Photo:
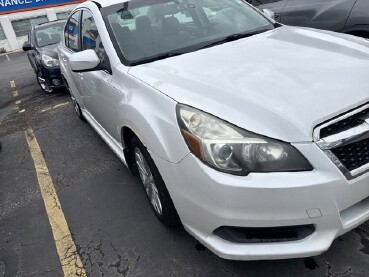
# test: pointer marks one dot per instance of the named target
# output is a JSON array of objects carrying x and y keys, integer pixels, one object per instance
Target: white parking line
[
  {"x": 12, "y": 84},
  {"x": 15, "y": 93},
  {"x": 7, "y": 58}
]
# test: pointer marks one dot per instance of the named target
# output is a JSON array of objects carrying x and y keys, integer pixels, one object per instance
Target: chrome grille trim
[{"x": 355, "y": 134}]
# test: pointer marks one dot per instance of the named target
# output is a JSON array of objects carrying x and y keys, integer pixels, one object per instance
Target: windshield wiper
[
  {"x": 50, "y": 44},
  {"x": 233, "y": 37},
  {"x": 158, "y": 57}
]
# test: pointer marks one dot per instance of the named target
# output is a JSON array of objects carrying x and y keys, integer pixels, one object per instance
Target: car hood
[
  {"x": 281, "y": 83},
  {"x": 50, "y": 50}
]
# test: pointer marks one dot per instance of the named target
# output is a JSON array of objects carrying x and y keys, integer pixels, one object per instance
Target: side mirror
[
  {"x": 84, "y": 61},
  {"x": 269, "y": 13},
  {"x": 27, "y": 46}
]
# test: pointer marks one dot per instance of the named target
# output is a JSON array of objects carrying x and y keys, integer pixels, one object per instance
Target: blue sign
[{"x": 10, "y": 6}]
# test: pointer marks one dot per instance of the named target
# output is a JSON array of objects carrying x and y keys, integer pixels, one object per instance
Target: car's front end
[
  {"x": 49, "y": 67},
  {"x": 278, "y": 166},
  {"x": 275, "y": 215},
  {"x": 43, "y": 54},
  {"x": 260, "y": 136}
]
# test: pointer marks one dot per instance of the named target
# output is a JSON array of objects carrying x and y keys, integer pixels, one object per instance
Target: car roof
[{"x": 49, "y": 23}]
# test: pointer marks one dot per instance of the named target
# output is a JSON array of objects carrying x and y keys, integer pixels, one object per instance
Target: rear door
[
  {"x": 275, "y": 5},
  {"x": 70, "y": 45},
  {"x": 322, "y": 14}
]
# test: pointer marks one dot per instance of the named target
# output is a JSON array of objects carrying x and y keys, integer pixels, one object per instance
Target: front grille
[
  {"x": 345, "y": 140},
  {"x": 353, "y": 155},
  {"x": 345, "y": 124}
]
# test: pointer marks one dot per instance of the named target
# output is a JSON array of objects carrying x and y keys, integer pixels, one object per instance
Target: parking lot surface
[{"x": 111, "y": 227}]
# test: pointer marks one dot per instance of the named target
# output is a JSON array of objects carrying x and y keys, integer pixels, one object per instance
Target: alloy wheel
[
  {"x": 43, "y": 83},
  {"x": 148, "y": 181}
]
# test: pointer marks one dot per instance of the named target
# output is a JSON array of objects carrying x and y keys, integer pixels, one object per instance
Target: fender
[{"x": 151, "y": 116}]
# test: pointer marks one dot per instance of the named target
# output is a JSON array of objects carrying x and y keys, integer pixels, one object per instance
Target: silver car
[
  {"x": 345, "y": 16},
  {"x": 252, "y": 134}
]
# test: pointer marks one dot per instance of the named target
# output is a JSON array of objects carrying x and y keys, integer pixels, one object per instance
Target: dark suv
[
  {"x": 41, "y": 47},
  {"x": 346, "y": 16}
]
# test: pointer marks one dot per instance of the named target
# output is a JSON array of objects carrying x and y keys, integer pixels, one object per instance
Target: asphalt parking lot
[{"x": 114, "y": 231}]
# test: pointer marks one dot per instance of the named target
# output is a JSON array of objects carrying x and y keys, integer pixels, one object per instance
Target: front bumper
[
  {"x": 51, "y": 74},
  {"x": 207, "y": 199}
]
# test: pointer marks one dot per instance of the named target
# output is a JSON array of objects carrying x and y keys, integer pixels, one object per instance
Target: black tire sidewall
[
  {"x": 169, "y": 216},
  {"x": 79, "y": 113}
]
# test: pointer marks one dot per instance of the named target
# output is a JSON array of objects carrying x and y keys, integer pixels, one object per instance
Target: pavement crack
[
  {"x": 92, "y": 255},
  {"x": 118, "y": 262},
  {"x": 329, "y": 268},
  {"x": 364, "y": 238},
  {"x": 337, "y": 274},
  {"x": 349, "y": 270}
]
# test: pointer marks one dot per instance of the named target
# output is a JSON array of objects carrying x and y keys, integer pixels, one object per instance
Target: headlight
[
  {"x": 49, "y": 61},
  {"x": 230, "y": 149}
]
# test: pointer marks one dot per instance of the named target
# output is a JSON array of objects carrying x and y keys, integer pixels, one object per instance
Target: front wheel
[
  {"x": 43, "y": 83},
  {"x": 154, "y": 185}
]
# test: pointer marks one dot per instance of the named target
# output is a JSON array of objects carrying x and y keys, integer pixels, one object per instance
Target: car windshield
[
  {"x": 50, "y": 34},
  {"x": 148, "y": 30}
]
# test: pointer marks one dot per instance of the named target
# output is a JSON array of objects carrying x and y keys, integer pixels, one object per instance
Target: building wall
[{"x": 11, "y": 24}]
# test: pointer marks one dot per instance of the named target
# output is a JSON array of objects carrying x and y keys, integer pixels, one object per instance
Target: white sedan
[{"x": 253, "y": 135}]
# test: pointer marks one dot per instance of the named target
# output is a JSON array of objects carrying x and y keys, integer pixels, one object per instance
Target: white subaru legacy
[{"x": 253, "y": 135}]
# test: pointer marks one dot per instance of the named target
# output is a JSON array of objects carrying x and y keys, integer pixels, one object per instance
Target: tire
[
  {"x": 43, "y": 83},
  {"x": 154, "y": 186},
  {"x": 75, "y": 104}
]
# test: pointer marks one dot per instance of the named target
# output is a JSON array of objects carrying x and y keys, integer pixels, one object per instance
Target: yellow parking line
[
  {"x": 12, "y": 84},
  {"x": 65, "y": 246},
  {"x": 57, "y": 106}
]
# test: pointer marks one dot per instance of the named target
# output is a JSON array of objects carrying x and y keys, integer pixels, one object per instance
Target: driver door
[{"x": 100, "y": 97}]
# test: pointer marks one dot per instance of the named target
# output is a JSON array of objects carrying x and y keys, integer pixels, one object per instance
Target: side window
[
  {"x": 90, "y": 35},
  {"x": 71, "y": 32}
]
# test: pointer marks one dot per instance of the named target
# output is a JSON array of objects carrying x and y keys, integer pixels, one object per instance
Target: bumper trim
[
  {"x": 353, "y": 215},
  {"x": 265, "y": 234}
]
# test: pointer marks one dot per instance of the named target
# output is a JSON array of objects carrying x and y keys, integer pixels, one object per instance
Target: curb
[{"x": 11, "y": 52}]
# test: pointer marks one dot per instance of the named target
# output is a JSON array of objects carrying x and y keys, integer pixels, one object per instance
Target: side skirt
[{"x": 112, "y": 143}]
